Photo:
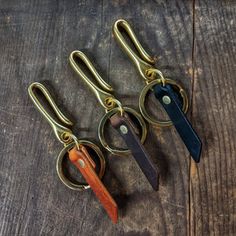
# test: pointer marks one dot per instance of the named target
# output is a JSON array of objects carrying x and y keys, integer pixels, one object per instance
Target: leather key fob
[
  {"x": 128, "y": 131},
  {"x": 172, "y": 104},
  {"x": 82, "y": 160}
]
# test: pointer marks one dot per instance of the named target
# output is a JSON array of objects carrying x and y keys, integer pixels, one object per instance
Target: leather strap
[
  {"x": 127, "y": 130},
  {"x": 82, "y": 160},
  {"x": 170, "y": 101}
]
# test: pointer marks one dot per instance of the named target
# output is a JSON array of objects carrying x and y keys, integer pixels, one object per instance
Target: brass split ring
[
  {"x": 143, "y": 97},
  {"x": 120, "y": 151},
  {"x": 62, "y": 155}
]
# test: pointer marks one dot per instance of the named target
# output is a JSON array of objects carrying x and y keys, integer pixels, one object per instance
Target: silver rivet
[
  {"x": 81, "y": 163},
  {"x": 123, "y": 129},
  {"x": 166, "y": 99}
]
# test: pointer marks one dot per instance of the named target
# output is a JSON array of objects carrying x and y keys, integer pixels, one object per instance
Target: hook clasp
[
  {"x": 106, "y": 99},
  {"x": 144, "y": 62},
  {"x": 63, "y": 134}
]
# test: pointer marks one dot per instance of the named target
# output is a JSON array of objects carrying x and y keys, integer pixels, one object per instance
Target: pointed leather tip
[
  {"x": 114, "y": 214},
  {"x": 155, "y": 182},
  {"x": 115, "y": 219},
  {"x": 197, "y": 153}
]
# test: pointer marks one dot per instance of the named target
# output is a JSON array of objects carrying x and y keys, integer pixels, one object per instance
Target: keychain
[
  {"x": 119, "y": 119},
  {"x": 78, "y": 154},
  {"x": 168, "y": 92}
]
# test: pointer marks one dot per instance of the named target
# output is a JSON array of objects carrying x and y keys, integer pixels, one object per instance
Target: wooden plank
[
  {"x": 213, "y": 183},
  {"x": 36, "y": 40}
]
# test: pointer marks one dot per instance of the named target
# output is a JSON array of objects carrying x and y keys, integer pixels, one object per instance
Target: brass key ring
[
  {"x": 149, "y": 87},
  {"x": 59, "y": 166},
  {"x": 65, "y": 136},
  {"x": 103, "y": 122},
  {"x": 106, "y": 99},
  {"x": 144, "y": 63}
]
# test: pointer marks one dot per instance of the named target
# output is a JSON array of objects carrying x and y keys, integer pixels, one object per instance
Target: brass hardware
[
  {"x": 70, "y": 184},
  {"x": 145, "y": 65},
  {"x": 123, "y": 129},
  {"x": 104, "y": 97},
  {"x": 143, "y": 95},
  {"x": 107, "y": 100},
  {"x": 105, "y": 118},
  {"x": 166, "y": 99},
  {"x": 143, "y": 61},
  {"x": 64, "y": 135},
  {"x": 81, "y": 163}
]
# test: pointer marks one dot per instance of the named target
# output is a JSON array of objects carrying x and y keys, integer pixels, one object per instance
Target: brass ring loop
[
  {"x": 119, "y": 105},
  {"x": 143, "y": 96},
  {"x": 61, "y": 156},
  {"x": 120, "y": 151}
]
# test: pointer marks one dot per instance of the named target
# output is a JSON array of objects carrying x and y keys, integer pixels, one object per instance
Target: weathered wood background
[{"x": 195, "y": 43}]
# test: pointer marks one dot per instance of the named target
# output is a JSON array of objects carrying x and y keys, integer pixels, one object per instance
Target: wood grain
[
  {"x": 213, "y": 181},
  {"x": 36, "y": 40}
]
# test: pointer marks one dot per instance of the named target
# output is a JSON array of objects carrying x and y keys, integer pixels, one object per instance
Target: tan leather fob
[{"x": 82, "y": 160}]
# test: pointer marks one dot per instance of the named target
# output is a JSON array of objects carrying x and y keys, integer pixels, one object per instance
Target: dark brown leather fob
[{"x": 127, "y": 130}]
